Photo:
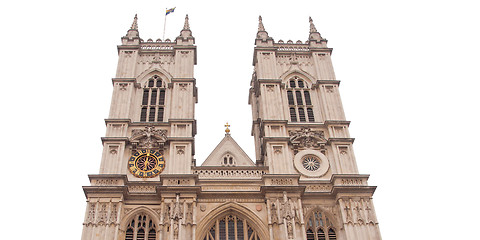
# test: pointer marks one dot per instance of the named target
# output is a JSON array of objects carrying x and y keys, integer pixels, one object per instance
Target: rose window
[{"x": 311, "y": 163}]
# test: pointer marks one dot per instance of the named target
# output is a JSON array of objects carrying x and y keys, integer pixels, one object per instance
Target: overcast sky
[{"x": 410, "y": 81}]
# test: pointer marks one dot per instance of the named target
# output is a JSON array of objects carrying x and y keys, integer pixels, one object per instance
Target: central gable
[{"x": 228, "y": 153}]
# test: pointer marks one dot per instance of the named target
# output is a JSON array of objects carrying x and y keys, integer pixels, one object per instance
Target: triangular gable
[{"x": 228, "y": 148}]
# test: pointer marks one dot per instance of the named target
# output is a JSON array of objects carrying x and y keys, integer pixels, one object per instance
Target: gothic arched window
[
  {"x": 299, "y": 101},
  {"x": 228, "y": 160},
  {"x": 141, "y": 228},
  {"x": 231, "y": 227},
  {"x": 153, "y": 100},
  {"x": 319, "y": 227}
]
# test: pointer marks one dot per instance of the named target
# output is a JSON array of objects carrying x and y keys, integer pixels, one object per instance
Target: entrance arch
[{"x": 232, "y": 219}]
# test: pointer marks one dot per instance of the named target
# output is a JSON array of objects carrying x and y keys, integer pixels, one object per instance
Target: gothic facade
[{"x": 304, "y": 182}]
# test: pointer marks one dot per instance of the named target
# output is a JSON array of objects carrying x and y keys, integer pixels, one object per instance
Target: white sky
[{"x": 410, "y": 81}]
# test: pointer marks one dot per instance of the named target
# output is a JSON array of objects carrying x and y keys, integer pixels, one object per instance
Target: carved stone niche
[
  {"x": 307, "y": 138},
  {"x": 148, "y": 138}
]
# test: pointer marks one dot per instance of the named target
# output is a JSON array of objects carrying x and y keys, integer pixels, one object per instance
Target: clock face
[{"x": 146, "y": 163}]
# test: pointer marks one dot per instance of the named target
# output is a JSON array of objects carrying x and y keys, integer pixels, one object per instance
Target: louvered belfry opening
[
  {"x": 299, "y": 101},
  {"x": 153, "y": 100}
]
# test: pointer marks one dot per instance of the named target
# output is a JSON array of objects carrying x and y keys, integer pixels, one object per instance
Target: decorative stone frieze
[
  {"x": 148, "y": 138},
  {"x": 141, "y": 189},
  {"x": 306, "y": 138}
]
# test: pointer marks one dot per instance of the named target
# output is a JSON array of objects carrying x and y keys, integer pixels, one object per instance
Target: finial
[
  {"x": 134, "y": 24},
  {"x": 186, "y": 26},
  {"x": 227, "y": 130},
  {"x": 260, "y": 24},
  {"x": 312, "y": 26}
]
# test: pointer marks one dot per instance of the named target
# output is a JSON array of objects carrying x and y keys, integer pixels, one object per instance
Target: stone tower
[{"x": 303, "y": 185}]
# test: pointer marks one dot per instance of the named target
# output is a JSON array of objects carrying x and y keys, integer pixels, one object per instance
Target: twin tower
[{"x": 304, "y": 182}]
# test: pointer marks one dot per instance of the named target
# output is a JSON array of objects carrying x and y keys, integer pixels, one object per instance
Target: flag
[{"x": 169, "y": 11}]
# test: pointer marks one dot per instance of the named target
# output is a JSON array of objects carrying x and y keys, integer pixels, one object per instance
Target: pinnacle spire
[
  {"x": 185, "y": 37},
  {"x": 312, "y": 26},
  {"x": 260, "y": 24},
  {"x": 186, "y": 26},
  {"x": 262, "y": 35},
  {"x": 314, "y": 36},
  {"x": 134, "y": 24}
]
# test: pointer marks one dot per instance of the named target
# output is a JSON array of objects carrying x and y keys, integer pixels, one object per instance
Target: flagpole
[{"x": 164, "y": 24}]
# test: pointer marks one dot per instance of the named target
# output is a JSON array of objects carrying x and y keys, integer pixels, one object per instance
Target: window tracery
[
  {"x": 319, "y": 227},
  {"x": 228, "y": 160},
  {"x": 141, "y": 227},
  {"x": 299, "y": 101},
  {"x": 231, "y": 227},
  {"x": 153, "y": 100}
]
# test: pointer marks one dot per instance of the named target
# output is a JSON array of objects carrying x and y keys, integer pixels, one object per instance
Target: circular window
[{"x": 311, "y": 163}]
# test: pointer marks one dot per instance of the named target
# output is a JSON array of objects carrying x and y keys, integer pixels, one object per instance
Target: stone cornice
[
  {"x": 180, "y": 139},
  {"x": 130, "y": 47},
  {"x": 181, "y": 80},
  {"x": 269, "y": 80},
  {"x": 114, "y": 139},
  {"x": 114, "y": 80},
  {"x": 337, "y": 122},
  {"x": 117, "y": 120},
  {"x": 341, "y": 140},
  {"x": 89, "y": 190}
]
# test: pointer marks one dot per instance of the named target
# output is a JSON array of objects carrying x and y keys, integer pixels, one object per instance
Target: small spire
[
  {"x": 186, "y": 26},
  {"x": 134, "y": 24},
  {"x": 227, "y": 130},
  {"x": 312, "y": 26},
  {"x": 260, "y": 24}
]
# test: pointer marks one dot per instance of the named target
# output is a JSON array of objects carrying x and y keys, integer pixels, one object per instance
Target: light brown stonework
[{"x": 304, "y": 177}]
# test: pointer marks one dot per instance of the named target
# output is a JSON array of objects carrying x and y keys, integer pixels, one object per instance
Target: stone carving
[
  {"x": 141, "y": 189},
  {"x": 180, "y": 150},
  {"x": 112, "y": 218},
  {"x": 183, "y": 86},
  {"x": 318, "y": 188},
  {"x": 189, "y": 214},
  {"x": 176, "y": 215},
  {"x": 306, "y": 138},
  {"x": 282, "y": 181},
  {"x": 290, "y": 229},
  {"x": 206, "y": 174},
  {"x": 277, "y": 149},
  {"x": 270, "y": 87},
  {"x": 287, "y": 208},
  {"x": 148, "y": 138},
  {"x": 123, "y": 86},
  {"x": 203, "y": 208},
  {"x": 156, "y": 58},
  {"x": 358, "y": 211},
  {"x": 352, "y": 181},
  {"x": 173, "y": 182},
  {"x": 106, "y": 182},
  {"x": 91, "y": 214},
  {"x": 274, "y": 213},
  {"x": 370, "y": 213},
  {"x": 102, "y": 215}
]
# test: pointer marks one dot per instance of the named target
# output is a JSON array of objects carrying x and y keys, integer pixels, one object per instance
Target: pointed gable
[{"x": 228, "y": 153}]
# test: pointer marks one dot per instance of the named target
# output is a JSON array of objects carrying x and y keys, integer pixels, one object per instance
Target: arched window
[
  {"x": 231, "y": 227},
  {"x": 299, "y": 101},
  {"x": 228, "y": 160},
  {"x": 141, "y": 228},
  {"x": 153, "y": 100},
  {"x": 319, "y": 227}
]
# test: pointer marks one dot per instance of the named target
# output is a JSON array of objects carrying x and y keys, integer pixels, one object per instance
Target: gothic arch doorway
[{"x": 231, "y": 221}]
